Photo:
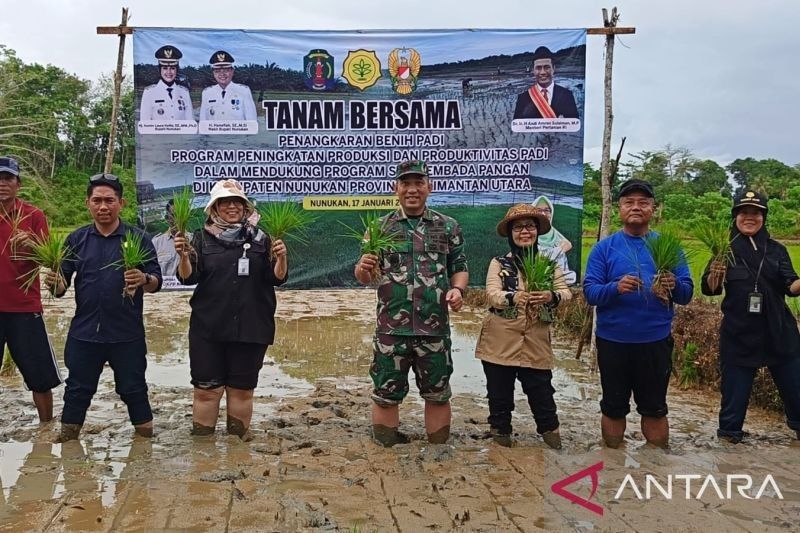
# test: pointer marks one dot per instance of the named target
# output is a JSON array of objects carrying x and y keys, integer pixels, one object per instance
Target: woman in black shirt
[
  {"x": 758, "y": 329},
  {"x": 236, "y": 268}
]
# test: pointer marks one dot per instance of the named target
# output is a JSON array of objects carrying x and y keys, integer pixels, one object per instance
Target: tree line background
[{"x": 57, "y": 126}]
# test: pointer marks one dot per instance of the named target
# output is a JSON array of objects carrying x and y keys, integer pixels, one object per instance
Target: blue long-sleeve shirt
[{"x": 634, "y": 317}]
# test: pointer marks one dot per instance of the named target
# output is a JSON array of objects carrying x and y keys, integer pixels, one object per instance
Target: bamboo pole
[
  {"x": 112, "y": 135},
  {"x": 605, "y": 162}
]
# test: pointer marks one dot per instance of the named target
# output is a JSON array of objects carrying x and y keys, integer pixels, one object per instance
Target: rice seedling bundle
[
  {"x": 45, "y": 251},
  {"x": 182, "y": 209},
  {"x": 666, "y": 251},
  {"x": 539, "y": 272},
  {"x": 133, "y": 254},
  {"x": 373, "y": 237},
  {"x": 716, "y": 237},
  {"x": 285, "y": 220}
]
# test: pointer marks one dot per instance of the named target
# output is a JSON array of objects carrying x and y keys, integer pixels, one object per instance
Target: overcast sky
[{"x": 717, "y": 76}]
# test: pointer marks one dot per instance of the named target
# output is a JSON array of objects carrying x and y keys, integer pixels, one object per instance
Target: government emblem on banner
[
  {"x": 362, "y": 68},
  {"x": 404, "y": 66},
  {"x": 318, "y": 69}
]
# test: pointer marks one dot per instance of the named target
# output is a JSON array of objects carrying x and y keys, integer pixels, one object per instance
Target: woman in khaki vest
[{"x": 514, "y": 342}]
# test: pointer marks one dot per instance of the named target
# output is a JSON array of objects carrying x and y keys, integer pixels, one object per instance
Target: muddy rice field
[{"x": 311, "y": 465}]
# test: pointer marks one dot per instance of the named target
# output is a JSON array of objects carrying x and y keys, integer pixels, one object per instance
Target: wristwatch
[{"x": 147, "y": 278}]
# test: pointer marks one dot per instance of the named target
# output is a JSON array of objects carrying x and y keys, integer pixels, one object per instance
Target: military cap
[
  {"x": 221, "y": 58},
  {"x": 414, "y": 167},
  {"x": 168, "y": 55}
]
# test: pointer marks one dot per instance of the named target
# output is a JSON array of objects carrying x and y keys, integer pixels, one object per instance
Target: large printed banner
[{"x": 323, "y": 118}]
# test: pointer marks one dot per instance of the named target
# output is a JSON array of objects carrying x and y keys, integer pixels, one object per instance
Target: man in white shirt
[
  {"x": 166, "y": 101},
  {"x": 226, "y": 100}
]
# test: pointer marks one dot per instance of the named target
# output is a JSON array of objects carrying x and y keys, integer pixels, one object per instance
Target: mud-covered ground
[{"x": 312, "y": 466}]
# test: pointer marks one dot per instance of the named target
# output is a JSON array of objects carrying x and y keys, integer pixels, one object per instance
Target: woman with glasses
[
  {"x": 514, "y": 342},
  {"x": 236, "y": 268}
]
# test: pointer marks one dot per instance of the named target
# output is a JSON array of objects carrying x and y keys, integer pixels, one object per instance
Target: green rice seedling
[
  {"x": 182, "y": 210},
  {"x": 133, "y": 255},
  {"x": 667, "y": 253},
  {"x": 539, "y": 272},
  {"x": 372, "y": 237},
  {"x": 182, "y": 214},
  {"x": 285, "y": 220},
  {"x": 45, "y": 251},
  {"x": 689, "y": 374},
  {"x": 716, "y": 237}
]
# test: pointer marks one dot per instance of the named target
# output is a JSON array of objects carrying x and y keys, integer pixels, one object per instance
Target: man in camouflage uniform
[{"x": 424, "y": 275}]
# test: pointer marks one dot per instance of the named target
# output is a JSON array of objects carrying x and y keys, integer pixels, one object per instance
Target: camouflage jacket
[{"x": 415, "y": 277}]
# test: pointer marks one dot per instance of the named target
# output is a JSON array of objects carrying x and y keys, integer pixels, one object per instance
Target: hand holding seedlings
[
  {"x": 278, "y": 249},
  {"x": 134, "y": 278},
  {"x": 716, "y": 273},
  {"x": 521, "y": 298},
  {"x": 366, "y": 264},
  {"x": 541, "y": 297},
  {"x": 628, "y": 284},
  {"x": 21, "y": 241},
  {"x": 181, "y": 245},
  {"x": 54, "y": 282},
  {"x": 667, "y": 281}
]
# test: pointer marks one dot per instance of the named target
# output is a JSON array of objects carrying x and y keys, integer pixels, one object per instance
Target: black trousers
[{"x": 500, "y": 381}]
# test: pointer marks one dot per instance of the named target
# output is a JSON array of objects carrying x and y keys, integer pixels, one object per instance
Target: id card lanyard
[
  {"x": 755, "y": 299},
  {"x": 244, "y": 261}
]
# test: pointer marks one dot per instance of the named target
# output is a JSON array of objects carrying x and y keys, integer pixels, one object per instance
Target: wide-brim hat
[
  {"x": 523, "y": 211},
  {"x": 229, "y": 188}
]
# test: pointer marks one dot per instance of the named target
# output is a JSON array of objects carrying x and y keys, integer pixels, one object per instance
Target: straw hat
[
  {"x": 225, "y": 189},
  {"x": 523, "y": 211}
]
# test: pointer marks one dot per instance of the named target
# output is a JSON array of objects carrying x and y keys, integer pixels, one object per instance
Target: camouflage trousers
[{"x": 393, "y": 355}]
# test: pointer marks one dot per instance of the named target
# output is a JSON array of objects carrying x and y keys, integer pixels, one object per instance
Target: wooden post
[
  {"x": 112, "y": 135},
  {"x": 605, "y": 162}
]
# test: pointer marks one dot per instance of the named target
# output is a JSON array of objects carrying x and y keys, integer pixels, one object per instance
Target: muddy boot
[
  {"x": 552, "y": 439},
  {"x": 69, "y": 432},
  {"x": 144, "y": 430},
  {"x": 387, "y": 436},
  {"x": 236, "y": 427},
  {"x": 199, "y": 430},
  {"x": 503, "y": 439},
  {"x": 439, "y": 436}
]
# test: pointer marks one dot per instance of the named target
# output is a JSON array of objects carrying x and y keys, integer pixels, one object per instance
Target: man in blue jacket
[{"x": 634, "y": 320}]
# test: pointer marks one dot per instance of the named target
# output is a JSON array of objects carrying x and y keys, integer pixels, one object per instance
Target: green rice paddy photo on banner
[{"x": 322, "y": 118}]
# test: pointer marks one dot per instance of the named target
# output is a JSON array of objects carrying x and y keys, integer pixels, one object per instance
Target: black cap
[
  {"x": 636, "y": 185},
  {"x": 750, "y": 197},
  {"x": 10, "y": 165},
  {"x": 542, "y": 53},
  {"x": 168, "y": 55},
  {"x": 104, "y": 179},
  {"x": 221, "y": 58}
]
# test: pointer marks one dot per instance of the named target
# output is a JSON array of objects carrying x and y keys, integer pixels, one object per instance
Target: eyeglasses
[
  {"x": 518, "y": 228},
  {"x": 107, "y": 177},
  {"x": 222, "y": 202}
]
